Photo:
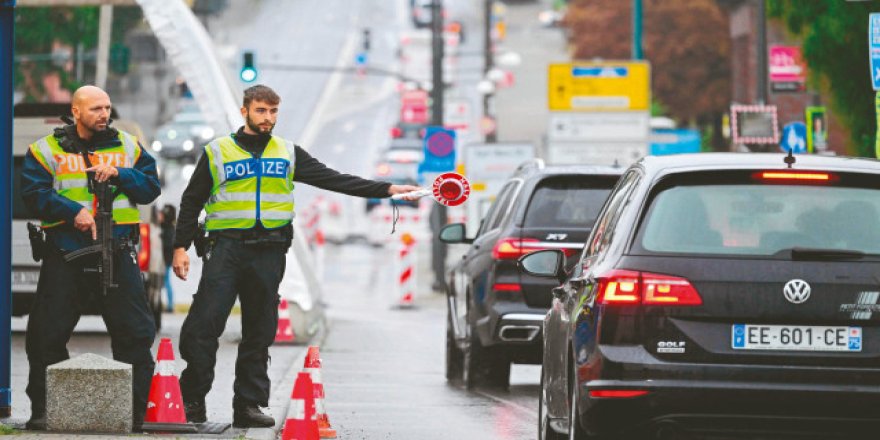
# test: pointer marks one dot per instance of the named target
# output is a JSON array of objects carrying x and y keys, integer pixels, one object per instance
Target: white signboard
[
  {"x": 598, "y": 126},
  {"x": 488, "y": 167},
  {"x": 596, "y": 153}
]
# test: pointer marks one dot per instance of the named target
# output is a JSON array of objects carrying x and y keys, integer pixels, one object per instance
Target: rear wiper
[{"x": 818, "y": 254}]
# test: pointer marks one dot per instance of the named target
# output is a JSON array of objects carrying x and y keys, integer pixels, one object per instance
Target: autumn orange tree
[{"x": 686, "y": 41}]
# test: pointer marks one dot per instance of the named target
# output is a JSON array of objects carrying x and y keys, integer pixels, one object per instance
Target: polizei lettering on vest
[{"x": 247, "y": 168}]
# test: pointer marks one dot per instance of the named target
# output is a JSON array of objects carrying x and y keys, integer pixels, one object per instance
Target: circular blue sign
[{"x": 441, "y": 144}]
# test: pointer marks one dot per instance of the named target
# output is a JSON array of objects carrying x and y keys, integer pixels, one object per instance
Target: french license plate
[
  {"x": 796, "y": 337},
  {"x": 25, "y": 277}
]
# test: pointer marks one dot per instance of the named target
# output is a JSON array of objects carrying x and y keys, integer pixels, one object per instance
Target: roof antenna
[{"x": 790, "y": 160}]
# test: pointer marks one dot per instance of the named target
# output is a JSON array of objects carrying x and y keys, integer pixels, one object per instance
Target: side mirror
[
  {"x": 454, "y": 233},
  {"x": 545, "y": 264}
]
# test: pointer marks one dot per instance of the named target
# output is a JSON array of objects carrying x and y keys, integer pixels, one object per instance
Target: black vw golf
[{"x": 720, "y": 292}]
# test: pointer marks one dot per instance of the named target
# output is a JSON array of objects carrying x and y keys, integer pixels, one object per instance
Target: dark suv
[
  {"x": 494, "y": 311},
  {"x": 720, "y": 292}
]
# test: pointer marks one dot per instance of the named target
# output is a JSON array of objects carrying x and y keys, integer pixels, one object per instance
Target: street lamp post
[
  {"x": 488, "y": 63},
  {"x": 437, "y": 62},
  {"x": 637, "y": 52},
  {"x": 762, "y": 52},
  {"x": 7, "y": 48}
]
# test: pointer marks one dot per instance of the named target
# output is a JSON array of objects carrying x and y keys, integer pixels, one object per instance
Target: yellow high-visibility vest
[
  {"x": 246, "y": 188},
  {"x": 69, "y": 176}
]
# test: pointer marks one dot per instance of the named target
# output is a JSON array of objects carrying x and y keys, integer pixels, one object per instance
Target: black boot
[
  {"x": 195, "y": 412},
  {"x": 250, "y": 416}
]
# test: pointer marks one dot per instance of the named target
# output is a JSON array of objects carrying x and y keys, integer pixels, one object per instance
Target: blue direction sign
[
  {"x": 794, "y": 138},
  {"x": 600, "y": 72},
  {"x": 874, "y": 48},
  {"x": 439, "y": 150}
]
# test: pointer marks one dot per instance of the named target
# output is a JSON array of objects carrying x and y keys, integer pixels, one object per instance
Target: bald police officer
[{"x": 55, "y": 187}]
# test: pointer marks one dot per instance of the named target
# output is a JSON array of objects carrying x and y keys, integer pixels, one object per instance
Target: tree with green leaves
[
  {"x": 834, "y": 35},
  {"x": 687, "y": 43},
  {"x": 40, "y": 31}
]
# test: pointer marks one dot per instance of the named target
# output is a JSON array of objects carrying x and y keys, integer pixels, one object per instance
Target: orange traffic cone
[
  {"x": 313, "y": 367},
  {"x": 165, "y": 403},
  {"x": 284, "y": 333},
  {"x": 301, "y": 424}
]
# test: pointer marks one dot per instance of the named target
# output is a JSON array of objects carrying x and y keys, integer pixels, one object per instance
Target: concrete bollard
[{"x": 89, "y": 393}]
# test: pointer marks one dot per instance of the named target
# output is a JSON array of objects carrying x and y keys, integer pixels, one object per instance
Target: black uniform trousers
[
  {"x": 62, "y": 291},
  {"x": 252, "y": 272}
]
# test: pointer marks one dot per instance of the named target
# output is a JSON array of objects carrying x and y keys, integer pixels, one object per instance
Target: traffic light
[{"x": 248, "y": 71}]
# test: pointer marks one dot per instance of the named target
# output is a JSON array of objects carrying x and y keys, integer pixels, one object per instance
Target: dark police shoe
[
  {"x": 36, "y": 423},
  {"x": 195, "y": 412},
  {"x": 251, "y": 416}
]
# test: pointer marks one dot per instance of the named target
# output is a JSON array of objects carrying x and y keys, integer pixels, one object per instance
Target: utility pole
[
  {"x": 437, "y": 62},
  {"x": 761, "y": 51},
  {"x": 488, "y": 63},
  {"x": 105, "y": 26},
  {"x": 7, "y": 52},
  {"x": 438, "y": 213},
  {"x": 637, "y": 52}
]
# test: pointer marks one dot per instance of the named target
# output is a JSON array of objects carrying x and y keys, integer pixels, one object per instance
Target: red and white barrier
[{"x": 406, "y": 270}]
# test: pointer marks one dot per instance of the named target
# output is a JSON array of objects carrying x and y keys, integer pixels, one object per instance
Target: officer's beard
[{"x": 256, "y": 128}]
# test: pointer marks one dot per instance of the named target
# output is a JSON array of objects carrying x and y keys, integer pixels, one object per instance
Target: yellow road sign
[{"x": 599, "y": 86}]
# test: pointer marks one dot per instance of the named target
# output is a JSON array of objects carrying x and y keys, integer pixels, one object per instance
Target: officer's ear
[{"x": 244, "y": 112}]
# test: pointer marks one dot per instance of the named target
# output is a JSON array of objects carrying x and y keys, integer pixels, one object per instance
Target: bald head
[
  {"x": 88, "y": 93},
  {"x": 91, "y": 109}
]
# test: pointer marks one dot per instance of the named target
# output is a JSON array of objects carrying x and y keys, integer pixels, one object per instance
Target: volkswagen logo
[{"x": 796, "y": 291}]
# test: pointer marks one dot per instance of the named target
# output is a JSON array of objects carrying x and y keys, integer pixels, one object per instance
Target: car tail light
[
  {"x": 144, "y": 252},
  {"x": 506, "y": 287},
  {"x": 617, "y": 394},
  {"x": 619, "y": 287},
  {"x": 512, "y": 248},
  {"x": 626, "y": 287},
  {"x": 396, "y": 132},
  {"x": 668, "y": 290}
]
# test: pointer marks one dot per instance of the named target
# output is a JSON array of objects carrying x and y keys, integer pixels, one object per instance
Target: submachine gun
[{"x": 104, "y": 245}]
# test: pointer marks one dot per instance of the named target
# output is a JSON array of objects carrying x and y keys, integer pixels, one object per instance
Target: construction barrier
[{"x": 406, "y": 270}]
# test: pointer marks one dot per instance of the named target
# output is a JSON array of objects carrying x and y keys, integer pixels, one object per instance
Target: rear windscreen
[
  {"x": 568, "y": 202},
  {"x": 19, "y": 212},
  {"x": 751, "y": 218}
]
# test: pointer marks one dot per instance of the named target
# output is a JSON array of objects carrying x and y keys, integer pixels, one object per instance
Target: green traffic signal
[{"x": 248, "y": 71}]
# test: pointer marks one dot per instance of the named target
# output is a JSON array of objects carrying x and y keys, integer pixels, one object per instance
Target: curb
[{"x": 280, "y": 403}]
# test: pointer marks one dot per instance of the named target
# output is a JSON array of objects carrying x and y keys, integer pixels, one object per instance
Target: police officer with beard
[
  {"x": 55, "y": 187},
  {"x": 245, "y": 183}
]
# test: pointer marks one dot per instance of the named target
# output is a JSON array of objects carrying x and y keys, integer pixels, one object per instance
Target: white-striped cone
[{"x": 312, "y": 365}]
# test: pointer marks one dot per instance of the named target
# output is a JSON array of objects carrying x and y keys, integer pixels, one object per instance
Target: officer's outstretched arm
[
  {"x": 140, "y": 182},
  {"x": 40, "y": 196}
]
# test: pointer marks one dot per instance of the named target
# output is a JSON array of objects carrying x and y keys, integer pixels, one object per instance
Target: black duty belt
[{"x": 252, "y": 235}]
